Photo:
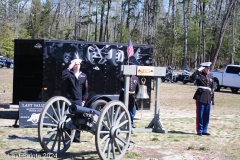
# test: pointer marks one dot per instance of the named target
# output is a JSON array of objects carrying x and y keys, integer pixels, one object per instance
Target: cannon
[
  {"x": 111, "y": 126},
  {"x": 60, "y": 119}
]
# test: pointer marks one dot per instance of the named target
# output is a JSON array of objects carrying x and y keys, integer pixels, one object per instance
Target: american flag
[{"x": 130, "y": 50}]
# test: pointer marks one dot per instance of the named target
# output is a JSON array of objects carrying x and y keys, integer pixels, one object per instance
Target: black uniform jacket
[
  {"x": 203, "y": 80},
  {"x": 77, "y": 88},
  {"x": 133, "y": 88}
]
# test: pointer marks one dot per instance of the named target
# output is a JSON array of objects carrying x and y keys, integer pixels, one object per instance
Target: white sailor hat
[
  {"x": 206, "y": 64},
  {"x": 76, "y": 61}
]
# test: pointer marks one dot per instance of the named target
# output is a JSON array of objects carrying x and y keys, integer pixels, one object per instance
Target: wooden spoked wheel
[
  {"x": 51, "y": 133},
  {"x": 113, "y": 132}
]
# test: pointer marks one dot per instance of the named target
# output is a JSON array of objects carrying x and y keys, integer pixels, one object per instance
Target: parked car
[
  {"x": 185, "y": 77},
  {"x": 6, "y": 63},
  {"x": 230, "y": 77},
  {"x": 9, "y": 63},
  {"x": 2, "y": 62},
  {"x": 169, "y": 75},
  {"x": 12, "y": 65}
]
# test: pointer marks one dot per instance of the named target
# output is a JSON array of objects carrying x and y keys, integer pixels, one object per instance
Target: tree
[
  {"x": 34, "y": 25},
  {"x": 45, "y": 19},
  {"x": 227, "y": 15},
  {"x": 6, "y": 40}
]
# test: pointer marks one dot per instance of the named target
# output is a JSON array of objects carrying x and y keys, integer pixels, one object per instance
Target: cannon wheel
[
  {"x": 112, "y": 137},
  {"x": 51, "y": 133},
  {"x": 98, "y": 104}
]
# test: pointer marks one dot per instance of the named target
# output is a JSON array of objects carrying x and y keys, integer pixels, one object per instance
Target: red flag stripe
[{"x": 130, "y": 50}]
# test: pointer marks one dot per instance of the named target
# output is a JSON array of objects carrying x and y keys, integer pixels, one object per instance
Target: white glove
[{"x": 201, "y": 68}]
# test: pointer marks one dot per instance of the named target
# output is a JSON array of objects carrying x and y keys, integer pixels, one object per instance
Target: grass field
[{"x": 177, "y": 114}]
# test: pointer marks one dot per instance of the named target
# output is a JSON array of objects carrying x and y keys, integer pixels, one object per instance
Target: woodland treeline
[{"x": 184, "y": 33}]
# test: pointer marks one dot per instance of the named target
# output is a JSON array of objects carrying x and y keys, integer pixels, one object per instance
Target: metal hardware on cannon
[
  {"x": 75, "y": 109},
  {"x": 83, "y": 115},
  {"x": 142, "y": 93}
]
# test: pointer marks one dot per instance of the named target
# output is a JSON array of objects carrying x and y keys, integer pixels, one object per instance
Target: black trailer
[{"x": 38, "y": 65}]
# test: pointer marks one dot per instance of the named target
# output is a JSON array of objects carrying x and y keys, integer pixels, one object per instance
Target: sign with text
[
  {"x": 151, "y": 71},
  {"x": 29, "y": 113}
]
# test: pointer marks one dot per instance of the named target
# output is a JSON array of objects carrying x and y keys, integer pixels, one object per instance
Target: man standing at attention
[
  {"x": 133, "y": 89},
  {"x": 203, "y": 97},
  {"x": 77, "y": 86}
]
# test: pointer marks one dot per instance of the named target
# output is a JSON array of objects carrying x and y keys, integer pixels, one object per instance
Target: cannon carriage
[
  {"x": 60, "y": 119},
  {"x": 111, "y": 126}
]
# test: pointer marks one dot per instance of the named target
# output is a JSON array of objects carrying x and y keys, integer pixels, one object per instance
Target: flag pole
[{"x": 127, "y": 52}]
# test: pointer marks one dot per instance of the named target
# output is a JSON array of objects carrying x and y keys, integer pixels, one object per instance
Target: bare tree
[
  {"x": 106, "y": 24},
  {"x": 185, "y": 35},
  {"x": 216, "y": 15},
  {"x": 233, "y": 34},
  {"x": 202, "y": 13},
  {"x": 229, "y": 10},
  {"x": 101, "y": 20}
]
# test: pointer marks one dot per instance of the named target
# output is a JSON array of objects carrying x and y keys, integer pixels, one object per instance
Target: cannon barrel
[{"x": 75, "y": 109}]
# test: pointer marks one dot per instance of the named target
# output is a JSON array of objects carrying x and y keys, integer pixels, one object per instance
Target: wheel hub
[
  {"x": 114, "y": 132},
  {"x": 60, "y": 126}
]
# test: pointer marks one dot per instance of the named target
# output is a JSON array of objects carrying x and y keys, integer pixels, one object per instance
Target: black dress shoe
[
  {"x": 200, "y": 134},
  {"x": 207, "y": 134},
  {"x": 133, "y": 127},
  {"x": 77, "y": 140}
]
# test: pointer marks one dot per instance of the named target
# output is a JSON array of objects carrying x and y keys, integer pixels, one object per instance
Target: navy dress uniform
[
  {"x": 133, "y": 89},
  {"x": 77, "y": 87},
  {"x": 203, "y": 97}
]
